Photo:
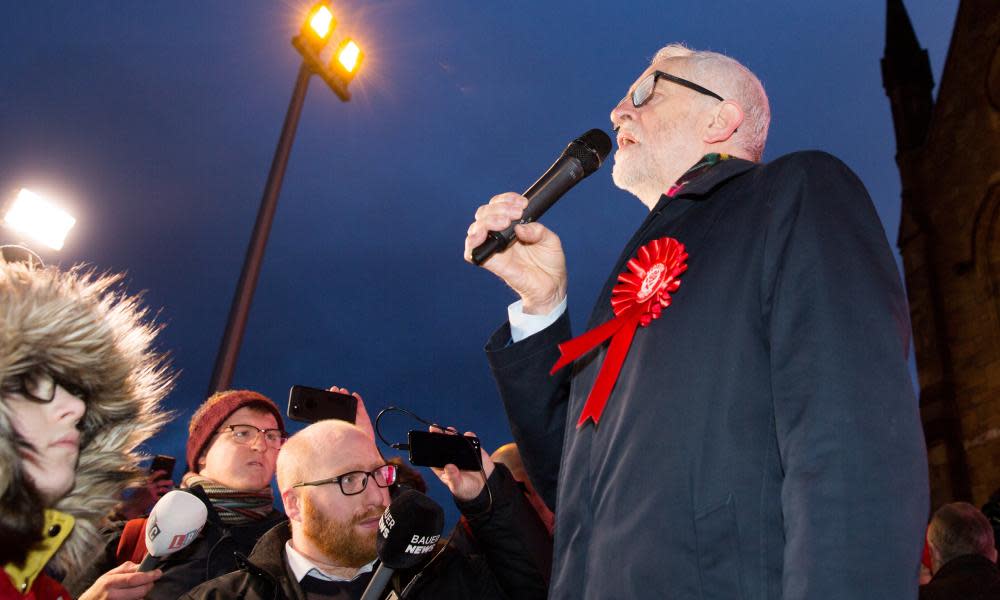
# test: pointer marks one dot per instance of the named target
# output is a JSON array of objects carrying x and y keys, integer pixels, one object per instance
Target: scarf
[
  {"x": 234, "y": 507},
  {"x": 707, "y": 162}
]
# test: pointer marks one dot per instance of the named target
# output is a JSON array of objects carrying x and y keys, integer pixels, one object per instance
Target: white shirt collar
[{"x": 302, "y": 566}]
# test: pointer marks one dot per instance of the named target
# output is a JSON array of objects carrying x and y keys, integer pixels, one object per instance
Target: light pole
[{"x": 312, "y": 42}]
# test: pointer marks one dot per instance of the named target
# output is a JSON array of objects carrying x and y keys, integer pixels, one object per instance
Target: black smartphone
[
  {"x": 163, "y": 463},
  {"x": 429, "y": 449},
  {"x": 309, "y": 405}
]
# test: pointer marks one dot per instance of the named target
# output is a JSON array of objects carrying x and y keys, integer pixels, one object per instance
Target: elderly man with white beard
[
  {"x": 335, "y": 486},
  {"x": 738, "y": 420}
]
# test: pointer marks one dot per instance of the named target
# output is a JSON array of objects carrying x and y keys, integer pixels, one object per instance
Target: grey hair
[
  {"x": 733, "y": 81},
  {"x": 958, "y": 529}
]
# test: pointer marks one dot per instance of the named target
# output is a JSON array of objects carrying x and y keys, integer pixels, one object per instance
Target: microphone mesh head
[
  {"x": 175, "y": 521},
  {"x": 590, "y": 149},
  {"x": 408, "y": 530}
]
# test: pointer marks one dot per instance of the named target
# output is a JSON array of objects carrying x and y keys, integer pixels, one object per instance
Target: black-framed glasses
[
  {"x": 644, "y": 90},
  {"x": 40, "y": 386},
  {"x": 246, "y": 435},
  {"x": 355, "y": 482}
]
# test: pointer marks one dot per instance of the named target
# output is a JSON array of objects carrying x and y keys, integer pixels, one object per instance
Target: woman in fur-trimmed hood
[{"x": 71, "y": 345}]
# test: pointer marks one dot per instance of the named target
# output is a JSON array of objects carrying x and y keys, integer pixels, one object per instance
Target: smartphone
[
  {"x": 309, "y": 405},
  {"x": 163, "y": 463},
  {"x": 429, "y": 449}
]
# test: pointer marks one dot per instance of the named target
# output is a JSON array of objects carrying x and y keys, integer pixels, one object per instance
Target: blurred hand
[
  {"x": 464, "y": 485},
  {"x": 142, "y": 499},
  {"x": 123, "y": 582},
  {"x": 534, "y": 266},
  {"x": 362, "y": 420}
]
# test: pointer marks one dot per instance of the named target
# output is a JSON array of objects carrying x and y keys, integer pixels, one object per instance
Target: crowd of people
[
  {"x": 82, "y": 389},
  {"x": 738, "y": 422}
]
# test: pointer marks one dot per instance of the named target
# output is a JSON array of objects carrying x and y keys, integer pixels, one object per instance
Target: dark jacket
[
  {"x": 762, "y": 440},
  {"x": 211, "y": 555},
  {"x": 513, "y": 565},
  {"x": 969, "y": 577}
]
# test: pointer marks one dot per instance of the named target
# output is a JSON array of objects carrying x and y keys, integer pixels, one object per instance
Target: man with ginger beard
[{"x": 335, "y": 486}]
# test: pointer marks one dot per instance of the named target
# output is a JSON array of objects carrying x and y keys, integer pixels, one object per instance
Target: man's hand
[
  {"x": 464, "y": 485},
  {"x": 123, "y": 582},
  {"x": 361, "y": 419},
  {"x": 142, "y": 499},
  {"x": 534, "y": 266}
]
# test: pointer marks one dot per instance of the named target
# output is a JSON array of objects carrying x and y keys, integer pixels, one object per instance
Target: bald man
[
  {"x": 963, "y": 555},
  {"x": 334, "y": 486}
]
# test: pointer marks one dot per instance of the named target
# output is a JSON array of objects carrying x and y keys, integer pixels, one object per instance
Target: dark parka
[
  {"x": 514, "y": 564},
  {"x": 213, "y": 554},
  {"x": 968, "y": 577},
  {"x": 762, "y": 440}
]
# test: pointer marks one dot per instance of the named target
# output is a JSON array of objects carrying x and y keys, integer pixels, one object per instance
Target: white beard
[{"x": 645, "y": 172}]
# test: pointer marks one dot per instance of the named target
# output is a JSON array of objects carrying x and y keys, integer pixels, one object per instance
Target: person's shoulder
[
  {"x": 804, "y": 163},
  {"x": 231, "y": 585}
]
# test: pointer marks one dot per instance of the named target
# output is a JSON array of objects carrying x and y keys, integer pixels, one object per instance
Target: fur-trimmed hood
[{"x": 78, "y": 326}]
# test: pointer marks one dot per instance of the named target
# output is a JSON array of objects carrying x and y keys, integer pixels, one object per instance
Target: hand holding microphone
[
  {"x": 536, "y": 267},
  {"x": 173, "y": 524},
  {"x": 175, "y": 521}
]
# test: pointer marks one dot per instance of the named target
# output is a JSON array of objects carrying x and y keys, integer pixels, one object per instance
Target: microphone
[
  {"x": 583, "y": 156},
  {"x": 407, "y": 532},
  {"x": 172, "y": 525}
]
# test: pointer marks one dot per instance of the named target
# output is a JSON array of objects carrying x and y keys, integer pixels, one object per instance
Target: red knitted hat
[{"x": 206, "y": 420}]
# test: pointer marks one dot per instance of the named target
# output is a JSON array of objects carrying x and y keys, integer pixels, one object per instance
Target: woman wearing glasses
[{"x": 80, "y": 388}]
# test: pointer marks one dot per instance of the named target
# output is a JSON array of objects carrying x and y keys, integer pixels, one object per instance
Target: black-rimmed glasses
[
  {"x": 40, "y": 386},
  {"x": 246, "y": 435},
  {"x": 644, "y": 90},
  {"x": 355, "y": 482}
]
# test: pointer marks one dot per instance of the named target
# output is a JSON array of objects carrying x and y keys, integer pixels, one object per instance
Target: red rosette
[
  {"x": 640, "y": 296},
  {"x": 651, "y": 277}
]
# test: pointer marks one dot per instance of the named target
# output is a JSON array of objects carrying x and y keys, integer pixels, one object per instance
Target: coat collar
[
  {"x": 54, "y": 532},
  {"x": 964, "y": 564},
  {"x": 268, "y": 554},
  {"x": 709, "y": 173}
]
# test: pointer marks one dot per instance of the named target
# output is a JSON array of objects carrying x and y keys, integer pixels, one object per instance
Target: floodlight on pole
[
  {"x": 314, "y": 37},
  {"x": 39, "y": 218},
  {"x": 348, "y": 59},
  {"x": 320, "y": 22}
]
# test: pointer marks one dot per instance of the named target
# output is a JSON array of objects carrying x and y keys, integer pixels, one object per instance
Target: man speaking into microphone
[
  {"x": 736, "y": 420},
  {"x": 335, "y": 488}
]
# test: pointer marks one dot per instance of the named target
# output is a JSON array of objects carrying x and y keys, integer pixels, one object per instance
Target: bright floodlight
[
  {"x": 321, "y": 21},
  {"x": 349, "y": 56},
  {"x": 35, "y": 216}
]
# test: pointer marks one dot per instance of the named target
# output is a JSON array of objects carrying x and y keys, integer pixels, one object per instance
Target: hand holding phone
[
  {"x": 464, "y": 484},
  {"x": 361, "y": 418},
  {"x": 162, "y": 463}
]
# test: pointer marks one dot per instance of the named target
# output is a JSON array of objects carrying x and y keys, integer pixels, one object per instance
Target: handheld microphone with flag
[
  {"x": 407, "y": 532},
  {"x": 173, "y": 524},
  {"x": 583, "y": 156}
]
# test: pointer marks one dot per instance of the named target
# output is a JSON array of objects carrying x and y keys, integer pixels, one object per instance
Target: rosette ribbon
[{"x": 642, "y": 292}]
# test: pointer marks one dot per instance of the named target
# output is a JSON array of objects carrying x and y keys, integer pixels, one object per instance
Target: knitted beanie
[{"x": 206, "y": 420}]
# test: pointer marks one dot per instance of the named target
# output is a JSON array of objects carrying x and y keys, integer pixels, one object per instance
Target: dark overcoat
[{"x": 762, "y": 440}]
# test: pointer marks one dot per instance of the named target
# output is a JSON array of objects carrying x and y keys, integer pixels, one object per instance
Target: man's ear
[
  {"x": 725, "y": 121},
  {"x": 935, "y": 558},
  {"x": 293, "y": 508}
]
